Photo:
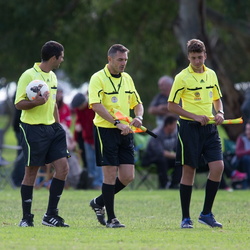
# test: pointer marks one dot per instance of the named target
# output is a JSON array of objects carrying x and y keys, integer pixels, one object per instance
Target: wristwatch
[
  {"x": 139, "y": 117},
  {"x": 220, "y": 111},
  {"x": 117, "y": 122}
]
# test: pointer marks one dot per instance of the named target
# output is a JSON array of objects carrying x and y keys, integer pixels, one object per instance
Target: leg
[
  {"x": 215, "y": 173},
  {"x": 162, "y": 168},
  {"x": 108, "y": 190},
  {"x": 51, "y": 217},
  {"x": 27, "y": 195},
  {"x": 187, "y": 181}
]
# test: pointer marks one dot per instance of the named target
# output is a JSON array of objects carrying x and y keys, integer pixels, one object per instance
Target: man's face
[
  {"x": 57, "y": 62},
  {"x": 117, "y": 63},
  {"x": 197, "y": 60}
]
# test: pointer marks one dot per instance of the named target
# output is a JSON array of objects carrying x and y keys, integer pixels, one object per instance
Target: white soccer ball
[{"x": 34, "y": 87}]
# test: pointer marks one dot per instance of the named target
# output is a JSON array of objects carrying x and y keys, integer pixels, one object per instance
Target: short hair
[
  {"x": 170, "y": 119},
  {"x": 117, "y": 47},
  {"x": 195, "y": 45},
  {"x": 50, "y": 49}
]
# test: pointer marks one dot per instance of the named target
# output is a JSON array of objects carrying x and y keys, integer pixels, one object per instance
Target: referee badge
[{"x": 114, "y": 99}]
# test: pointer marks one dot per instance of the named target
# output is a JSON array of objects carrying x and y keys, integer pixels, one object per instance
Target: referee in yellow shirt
[
  {"x": 43, "y": 138},
  {"x": 112, "y": 88},
  {"x": 198, "y": 90}
]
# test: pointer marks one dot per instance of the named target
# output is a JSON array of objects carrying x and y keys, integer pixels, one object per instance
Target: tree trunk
[{"x": 191, "y": 24}]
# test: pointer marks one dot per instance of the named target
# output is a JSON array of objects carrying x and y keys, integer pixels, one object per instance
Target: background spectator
[
  {"x": 159, "y": 104},
  {"x": 84, "y": 124},
  {"x": 161, "y": 151}
]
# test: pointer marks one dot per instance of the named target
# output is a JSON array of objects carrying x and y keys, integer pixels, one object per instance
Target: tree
[{"x": 192, "y": 24}]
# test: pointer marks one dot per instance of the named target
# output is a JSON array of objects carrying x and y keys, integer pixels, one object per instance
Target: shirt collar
[{"x": 190, "y": 69}]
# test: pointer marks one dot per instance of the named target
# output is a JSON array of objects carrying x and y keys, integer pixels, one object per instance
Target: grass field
[{"x": 152, "y": 220}]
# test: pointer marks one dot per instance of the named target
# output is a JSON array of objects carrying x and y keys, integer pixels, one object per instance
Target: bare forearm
[{"x": 102, "y": 111}]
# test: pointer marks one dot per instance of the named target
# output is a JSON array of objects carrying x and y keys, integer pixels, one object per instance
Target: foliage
[
  {"x": 152, "y": 220},
  {"x": 87, "y": 28}
]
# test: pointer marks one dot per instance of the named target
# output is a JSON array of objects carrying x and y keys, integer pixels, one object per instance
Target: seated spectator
[
  {"x": 84, "y": 124},
  {"x": 159, "y": 105},
  {"x": 162, "y": 152},
  {"x": 243, "y": 152},
  {"x": 228, "y": 149}
]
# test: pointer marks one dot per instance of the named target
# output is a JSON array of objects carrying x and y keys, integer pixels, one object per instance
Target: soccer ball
[{"x": 34, "y": 87}]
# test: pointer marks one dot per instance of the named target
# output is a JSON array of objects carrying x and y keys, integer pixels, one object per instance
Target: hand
[
  {"x": 40, "y": 100},
  {"x": 124, "y": 128},
  {"x": 202, "y": 119},
  {"x": 136, "y": 122},
  {"x": 219, "y": 118}
]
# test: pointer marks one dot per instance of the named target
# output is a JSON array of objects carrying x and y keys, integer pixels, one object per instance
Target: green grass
[{"x": 152, "y": 221}]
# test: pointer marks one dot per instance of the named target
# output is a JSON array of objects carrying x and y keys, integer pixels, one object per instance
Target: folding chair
[{"x": 143, "y": 173}]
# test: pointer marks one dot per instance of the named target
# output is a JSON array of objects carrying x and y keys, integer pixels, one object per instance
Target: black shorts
[
  {"x": 112, "y": 148},
  {"x": 197, "y": 143},
  {"x": 43, "y": 144}
]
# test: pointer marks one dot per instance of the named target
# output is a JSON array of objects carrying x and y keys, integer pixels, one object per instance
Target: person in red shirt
[
  {"x": 63, "y": 108},
  {"x": 84, "y": 123}
]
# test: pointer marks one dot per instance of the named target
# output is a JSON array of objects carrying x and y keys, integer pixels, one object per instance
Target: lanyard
[{"x": 119, "y": 85}]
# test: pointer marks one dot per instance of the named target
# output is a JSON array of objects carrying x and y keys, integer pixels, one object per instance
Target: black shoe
[
  {"x": 27, "y": 221},
  {"x": 53, "y": 220},
  {"x": 99, "y": 211},
  {"x": 114, "y": 224}
]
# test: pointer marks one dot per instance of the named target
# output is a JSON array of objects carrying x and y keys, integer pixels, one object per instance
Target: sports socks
[
  {"x": 108, "y": 194},
  {"x": 185, "y": 196},
  {"x": 26, "y": 195},
  {"x": 55, "y": 191},
  {"x": 211, "y": 190},
  {"x": 118, "y": 187}
]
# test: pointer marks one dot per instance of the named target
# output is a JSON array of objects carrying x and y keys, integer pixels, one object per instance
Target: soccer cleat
[
  {"x": 238, "y": 176},
  {"x": 99, "y": 211},
  {"x": 53, "y": 221},
  {"x": 186, "y": 223},
  {"x": 27, "y": 221},
  {"x": 209, "y": 220},
  {"x": 114, "y": 224}
]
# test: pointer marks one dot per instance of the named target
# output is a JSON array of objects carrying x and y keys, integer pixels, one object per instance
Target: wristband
[
  {"x": 117, "y": 122},
  {"x": 139, "y": 117},
  {"x": 221, "y": 112}
]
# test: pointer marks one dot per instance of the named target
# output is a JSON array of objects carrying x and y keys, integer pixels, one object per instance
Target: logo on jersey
[
  {"x": 114, "y": 99},
  {"x": 197, "y": 96}
]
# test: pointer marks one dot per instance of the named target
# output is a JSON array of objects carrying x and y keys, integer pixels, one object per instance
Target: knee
[
  {"x": 62, "y": 172},
  {"x": 125, "y": 180}
]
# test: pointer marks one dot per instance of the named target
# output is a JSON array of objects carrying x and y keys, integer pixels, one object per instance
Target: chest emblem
[
  {"x": 114, "y": 99},
  {"x": 197, "y": 96}
]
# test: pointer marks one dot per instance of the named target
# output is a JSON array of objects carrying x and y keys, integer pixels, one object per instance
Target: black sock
[
  {"x": 211, "y": 190},
  {"x": 118, "y": 187},
  {"x": 108, "y": 193},
  {"x": 26, "y": 195},
  {"x": 55, "y": 191},
  {"x": 185, "y": 196}
]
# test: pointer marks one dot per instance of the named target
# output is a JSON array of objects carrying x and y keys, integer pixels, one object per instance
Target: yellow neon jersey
[
  {"x": 197, "y": 91},
  {"x": 43, "y": 114},
  {"x": 112, "y": 92}
]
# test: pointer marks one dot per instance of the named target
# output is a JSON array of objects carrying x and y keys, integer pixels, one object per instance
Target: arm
[
  {"x": 177, "y": 109},
  {"x": 161, "y": 109},
  {"x": 56, "y": 114},
  {"x": 139, "y": 111},
  {"x": 102, "y": 111},
  {"x": 219, "y": 117},
  {"x": 27, "y": 104}
]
